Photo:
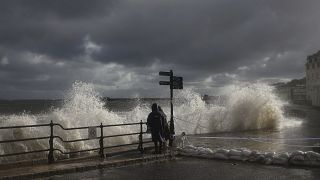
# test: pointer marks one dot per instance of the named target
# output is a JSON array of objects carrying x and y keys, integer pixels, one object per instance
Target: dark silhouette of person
[
  {"x": 165, "y": 124},
  {"x": 155, "y": 122}
]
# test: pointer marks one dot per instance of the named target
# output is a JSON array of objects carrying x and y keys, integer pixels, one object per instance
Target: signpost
[
  {"x": 175, "y": 83},
  {"x": 164, "y": 82}
]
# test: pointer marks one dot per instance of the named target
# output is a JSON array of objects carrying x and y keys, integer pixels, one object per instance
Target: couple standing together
[{"x": 157, "y": 123}]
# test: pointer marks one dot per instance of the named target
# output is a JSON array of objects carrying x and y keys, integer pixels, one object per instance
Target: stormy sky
[{"x": 120, "y": 46}]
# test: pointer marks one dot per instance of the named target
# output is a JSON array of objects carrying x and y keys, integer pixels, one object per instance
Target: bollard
[
  {"x": 101, "y": 142},
  {"x": 50, "y": 155},
  {"x": 140, "y": 147}
]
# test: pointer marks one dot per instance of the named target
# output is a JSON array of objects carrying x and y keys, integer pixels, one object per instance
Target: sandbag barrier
[{"x": 301, "y": 158}]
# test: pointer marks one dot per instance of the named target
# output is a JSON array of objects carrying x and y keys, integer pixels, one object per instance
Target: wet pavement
[
  {"x": 194, "y": 168},
  {"x": 80, "y": 165}
]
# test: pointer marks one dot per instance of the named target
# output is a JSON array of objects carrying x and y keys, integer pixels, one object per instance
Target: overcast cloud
[{"x": 121, "y": 45}]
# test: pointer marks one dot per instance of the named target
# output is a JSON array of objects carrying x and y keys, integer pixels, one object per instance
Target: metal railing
[{"x": 52, "y": 137}]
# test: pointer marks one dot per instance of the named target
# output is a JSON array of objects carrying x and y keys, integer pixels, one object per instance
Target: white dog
[{"x": 179, "y": 140}]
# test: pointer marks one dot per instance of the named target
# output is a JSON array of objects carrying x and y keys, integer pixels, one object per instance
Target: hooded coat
[
  {"x": 165, "y": 124},
  {"x": 155, "y": 123}
]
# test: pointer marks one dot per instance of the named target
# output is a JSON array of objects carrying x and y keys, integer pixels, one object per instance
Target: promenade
[
  {"x": 134, "y": 165},
  {"x": 42, "y": 170},
  {"x": 188, "y": 168}
]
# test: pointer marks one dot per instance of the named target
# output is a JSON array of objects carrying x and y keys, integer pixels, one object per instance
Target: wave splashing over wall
[
  {"x": 252, "y": 107},
  {"x": 82, "y": 107},
  {"x": 244, "y": 108}
]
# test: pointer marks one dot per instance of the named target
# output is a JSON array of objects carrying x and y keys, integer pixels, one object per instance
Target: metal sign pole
[
  {"x": 175, "y": 83},
  {"x": 171, "y": 103}
]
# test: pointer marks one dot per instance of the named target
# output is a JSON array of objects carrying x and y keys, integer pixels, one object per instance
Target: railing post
[
  {"x": 50, "y": 155},
  {"x": 140, "y": 147},
  {"x": 101, "y": 142}
]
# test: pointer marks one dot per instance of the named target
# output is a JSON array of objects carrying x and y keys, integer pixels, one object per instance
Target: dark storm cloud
[
  {"x": 46, "y": 45},
  {"x": 56, "y": 28},
  {"x": 211, "y": 35}
]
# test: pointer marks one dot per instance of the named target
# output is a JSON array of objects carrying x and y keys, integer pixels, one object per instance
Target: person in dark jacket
[
  {"x": 165, "y": 123},
  {"x": 155, "y": 122}
]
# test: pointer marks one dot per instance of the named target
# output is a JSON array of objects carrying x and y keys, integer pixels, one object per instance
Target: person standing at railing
[
  {"x": 155, "y": 123},
  {"x": 165, "y": 126}
]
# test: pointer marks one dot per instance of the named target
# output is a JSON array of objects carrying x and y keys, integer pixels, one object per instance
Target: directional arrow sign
[
  {"x": 163, "y": 73},
  {"x": 164, "y": 82},
  {"x": 177, "y": 82}
]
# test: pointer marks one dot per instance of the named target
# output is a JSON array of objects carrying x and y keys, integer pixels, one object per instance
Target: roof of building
[{"x": 313, "y": 56}]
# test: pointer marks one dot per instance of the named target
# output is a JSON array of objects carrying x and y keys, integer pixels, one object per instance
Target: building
[
  {"x": 293, "y": 91},
  {"x": 298, "y": 94},
  {"x": 313, "y": 79}
]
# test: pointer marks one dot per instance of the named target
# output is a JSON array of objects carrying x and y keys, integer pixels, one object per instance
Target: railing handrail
[
  {"x": 25, "y": 139},
  {"x": 21, "y": 153},
  {"x": 123, "y": 124},
  {"x": 74, "y": 128},
  {"x": 118, "y": 135},
  {"x": 79, "y": 151},
  {"x": 74, "y": 140},
  {"x": 52, "y": 137},
  {"x": 64, "y": 128},
  {"x": 24, "y": 126},
  {"x": 121, "y": 145}
]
